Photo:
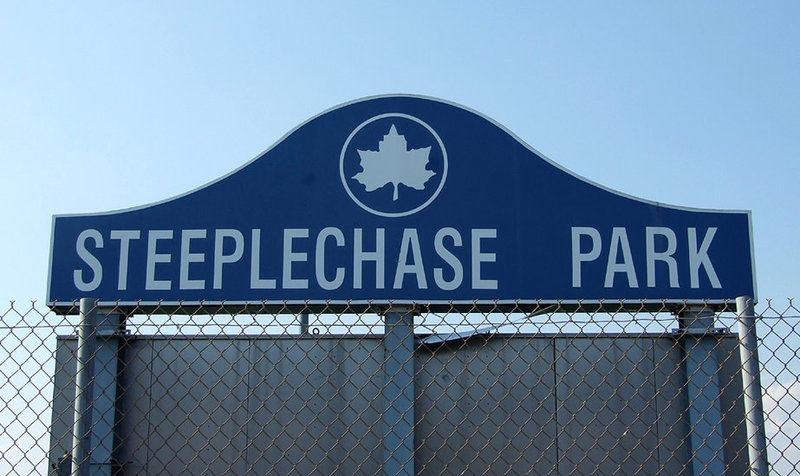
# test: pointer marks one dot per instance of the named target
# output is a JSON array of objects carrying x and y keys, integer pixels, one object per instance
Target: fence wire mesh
[{"x": 529, "y": 390}]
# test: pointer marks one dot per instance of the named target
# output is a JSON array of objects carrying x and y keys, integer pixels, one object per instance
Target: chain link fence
[{"x": 579, "y": 389}]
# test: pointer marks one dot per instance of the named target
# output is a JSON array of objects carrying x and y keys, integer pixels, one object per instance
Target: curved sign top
[{"x": 400, "y": 199}]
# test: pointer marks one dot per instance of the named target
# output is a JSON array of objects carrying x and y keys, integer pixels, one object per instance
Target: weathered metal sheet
[
  {"x": 197, "y": 419},
  {"x": 486, "y": 407},
  {"x": 315, "y": 406},
  {"x": 540, "y": 405},
  {"x": 606, "y": 406},
  {"x": 63, "y": 398}
]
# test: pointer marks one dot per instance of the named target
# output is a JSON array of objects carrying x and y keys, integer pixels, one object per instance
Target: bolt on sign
[{"x": 406, "y": 200}]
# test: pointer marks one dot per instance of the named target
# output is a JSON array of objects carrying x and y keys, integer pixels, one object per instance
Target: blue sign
[{"x": 400, "y": 199}]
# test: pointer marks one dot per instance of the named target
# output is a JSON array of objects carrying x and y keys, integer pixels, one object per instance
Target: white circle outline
[{"x": 394, "y": 214}]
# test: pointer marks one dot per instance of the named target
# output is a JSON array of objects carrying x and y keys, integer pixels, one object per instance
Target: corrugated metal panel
[
  {"x": 669, "y": 382},
  {"x": 520, "y": 404},
  {"x": 315, "y": 406},
  {"x": 63, "y": 398},
  {"x": 197, "y": 412},
  {"x": 606, "y": 406},
  {"x": 486, "y": 407},
  {"x": 135, "y": 404}
]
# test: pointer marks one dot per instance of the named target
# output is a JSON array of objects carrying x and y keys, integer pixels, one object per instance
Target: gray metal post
[
  {"x": 751, "y": 383},
  {"x": 702, "y": 387},
  {"x": 398, "y": 392},
  {"x": 84, "y": 390},
  {"x": 105, "y": 393},
  {"x": 304, "y": 323},
  {"x": 95, "y": 391}
]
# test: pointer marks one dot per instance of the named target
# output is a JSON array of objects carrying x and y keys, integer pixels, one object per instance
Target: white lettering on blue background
[
  {"x": 124, "y": 237},
  {"x": 449, "y": 258},
  {"x": 579, "y": 257},
  {"x": 256, "y": 281},
  {"x": 220, "y": 258},
  {"x": 319, "y": 261},
  {"x": 153, "y": 258},
  {"x": 359, "y": 256},
  {"x": 410, "y": 243},
  {"x": 90, "y": 260},
  {"x": 479, "y": 257},
  {"x": 619, "y": 242},
  {"x": 204, "y": 257},
  {"x": 665, "y": 256},
  {"x": 698, "y": 257},
  {"x": 188, "y": 257},
  {"x": 620, "y": 257}
]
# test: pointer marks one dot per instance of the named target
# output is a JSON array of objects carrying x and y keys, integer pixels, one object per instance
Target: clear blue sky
[{"x": 108, "y": 106}]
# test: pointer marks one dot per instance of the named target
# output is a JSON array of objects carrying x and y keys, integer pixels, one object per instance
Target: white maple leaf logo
[{"x": 393, "y": 163}]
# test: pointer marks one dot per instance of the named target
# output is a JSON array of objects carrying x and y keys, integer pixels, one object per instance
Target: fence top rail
[{"x": 588, "y": 306}]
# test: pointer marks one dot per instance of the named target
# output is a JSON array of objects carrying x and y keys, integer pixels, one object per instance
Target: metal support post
[
  {"x": 702, "y": 387},
  {"x": 105, "y": 393},
  {"x": 84, "y": 388},
  {"x": 304, "y": 323},
  {"x": 751, "y": 384},
  {"x": 398, "y": 392},
  {"x": 96, "y": 391}
]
